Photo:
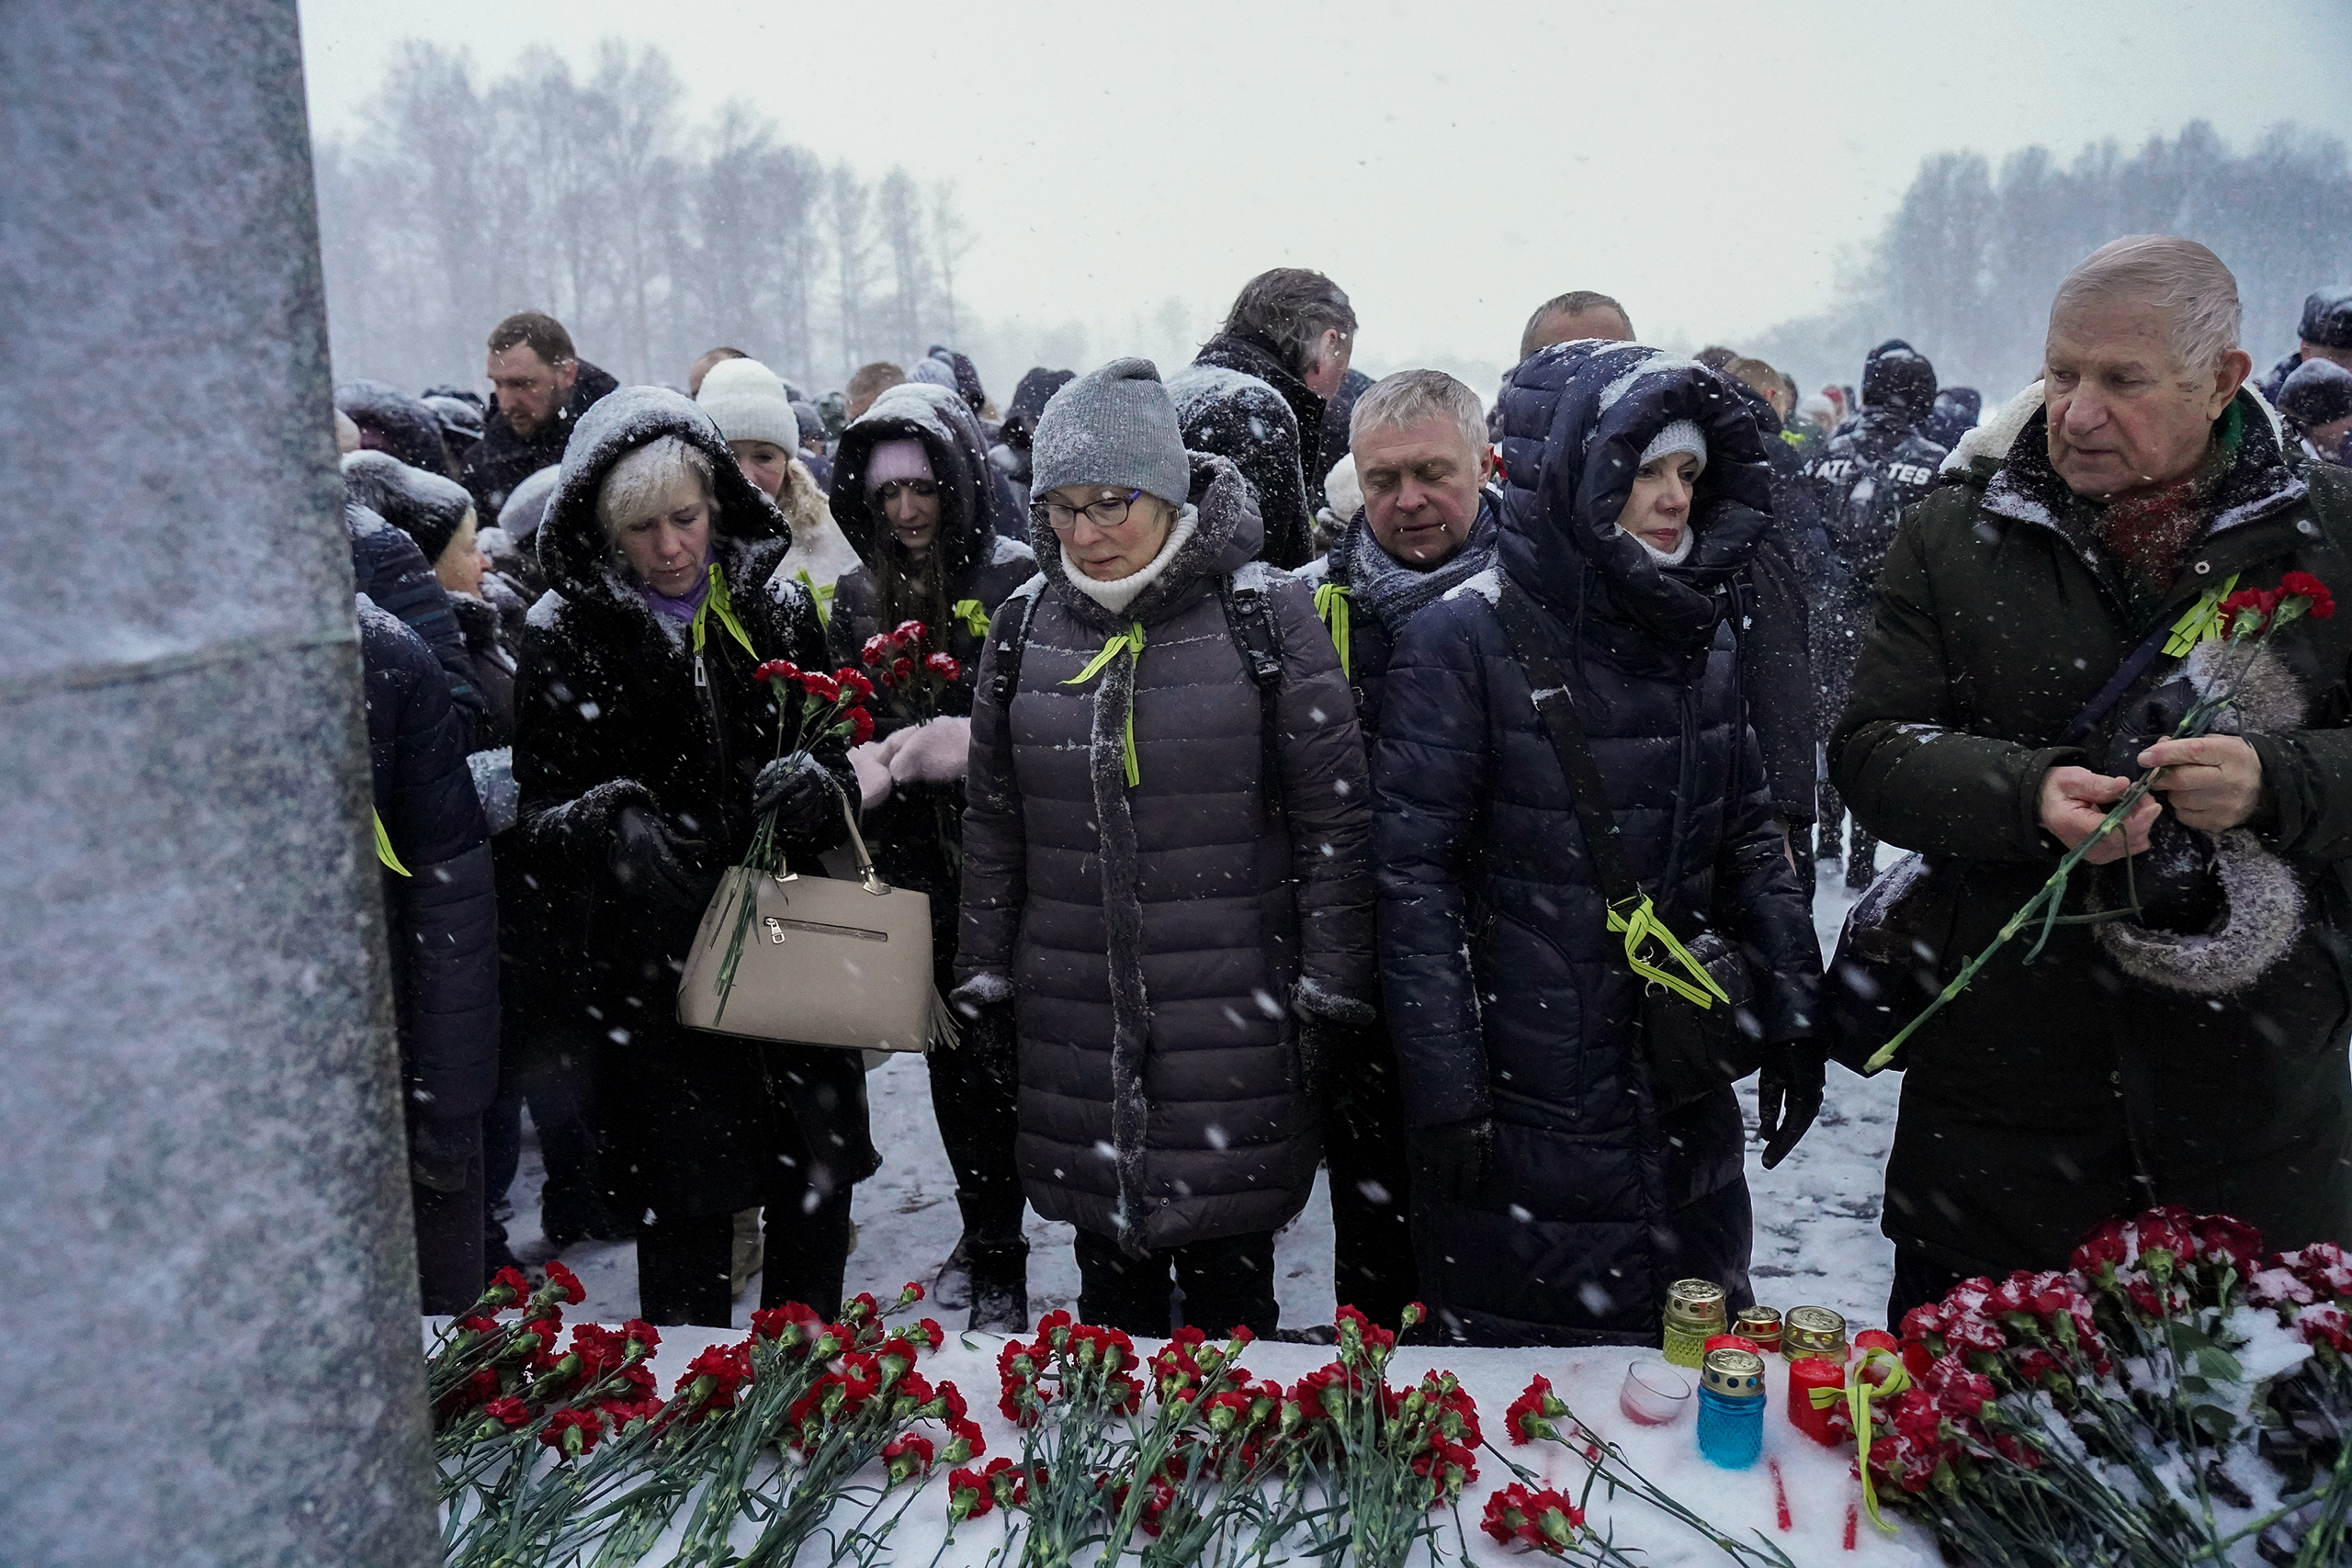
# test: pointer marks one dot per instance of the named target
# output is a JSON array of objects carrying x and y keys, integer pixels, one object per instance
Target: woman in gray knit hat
[{"x": 1165, "y": 890}]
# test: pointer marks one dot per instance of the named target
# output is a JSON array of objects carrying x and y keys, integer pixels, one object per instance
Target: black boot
[
  {"x": 1000, "y": 1274},
  {"x": 952, "y": 1286}
]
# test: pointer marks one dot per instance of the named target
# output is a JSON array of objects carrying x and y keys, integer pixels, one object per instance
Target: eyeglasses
[
  {"x": 1107, "y": 512},
  {"x": 887, "y": 493}
]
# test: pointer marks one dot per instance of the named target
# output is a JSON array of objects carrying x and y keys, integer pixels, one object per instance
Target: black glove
[
  {"x": 441, "y": 1153},
  {"x": 655, "y": 862},
  {"x": 1788, "y": 1094},
  {"x": 1456, "y": 1153},
  {"x": 803, "y": 794}
]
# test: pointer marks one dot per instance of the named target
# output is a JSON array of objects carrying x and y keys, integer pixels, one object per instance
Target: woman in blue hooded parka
[{"x": 1565, "y": 1176}]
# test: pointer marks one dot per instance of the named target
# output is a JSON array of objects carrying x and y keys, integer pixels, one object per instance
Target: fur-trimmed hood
[
  {"x": 1228, "y": 533},
  {"x": 749, "y": 536},
  {"x": 971, "y": 510},
  {"x": 1574, "y": 420}
]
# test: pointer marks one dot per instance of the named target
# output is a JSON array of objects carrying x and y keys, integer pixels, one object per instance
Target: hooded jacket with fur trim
[
  {"x": 1160, "y": 940},
  {"x": 609, "y": 716},
  {"x": 1509, "y": 998},
  {"x": 2048, "y": 1097}
]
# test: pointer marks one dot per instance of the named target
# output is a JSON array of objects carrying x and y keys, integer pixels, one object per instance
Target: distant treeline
[
  {"x": 463, "y": 200},
  {"x": 1965, "y": 268}
]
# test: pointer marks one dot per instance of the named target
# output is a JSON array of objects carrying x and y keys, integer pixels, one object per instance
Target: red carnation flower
[
  {"x": 2303, "y": 585},
  {"x": 944, "y": 666},
  {"x": 509, "y": 1412},
  {"x": 824, "y": 688},
  {"x": 968, "y": 1496},
  {"x": 878, "y": 649},
  {"x": 2248, "y": 611},
  {"x": 572, "y": 1432},
  {"x": 567, "y": 1282},
  {"x": 508, "y": 1285},
  {"x": 909, "y": 634},
  {"x": 861, "y": 726},
  {"x": 854, "y": 682}
]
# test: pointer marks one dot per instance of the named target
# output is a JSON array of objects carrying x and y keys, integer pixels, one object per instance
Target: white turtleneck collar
[
  {"x": 1675, "y": 556},
  {"x": 1117, "y": 594}
]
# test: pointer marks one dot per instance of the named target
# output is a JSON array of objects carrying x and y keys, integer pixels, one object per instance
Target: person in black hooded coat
[
  {"x": 1865, "y": 478},
  {"x": 1554, "y": 1199},
  {"x": 916, "y": 829},
  {"x": 441, "y": 924},
  {"x": 643, "y": 755},
  {"x": 390, "y": 421},
  {"x": 391, "y": 568}
]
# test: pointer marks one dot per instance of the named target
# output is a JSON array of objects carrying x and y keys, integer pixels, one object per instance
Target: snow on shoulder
[{"x": 1486, "y": 585}]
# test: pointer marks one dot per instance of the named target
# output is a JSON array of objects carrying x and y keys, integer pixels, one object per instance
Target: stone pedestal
[{"x": 209, "y": 1352}]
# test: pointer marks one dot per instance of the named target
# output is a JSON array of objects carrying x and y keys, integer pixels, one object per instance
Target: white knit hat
[
  {"x": 1683, "y": 435},
  {"x": 746, "y": 401}
]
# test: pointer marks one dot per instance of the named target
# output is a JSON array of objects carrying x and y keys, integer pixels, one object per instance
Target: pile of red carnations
[
  {"x": 2179, "y": 1396},
  {"x": 556, "y": 1456}
]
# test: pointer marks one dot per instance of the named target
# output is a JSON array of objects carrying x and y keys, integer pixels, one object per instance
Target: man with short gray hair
[
  {"x": 1428, "y": 526},
  {"x": 2027, "y": 663}
]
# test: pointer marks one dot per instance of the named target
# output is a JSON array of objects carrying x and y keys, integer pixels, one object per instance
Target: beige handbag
[{"x": 827, "y": 962}]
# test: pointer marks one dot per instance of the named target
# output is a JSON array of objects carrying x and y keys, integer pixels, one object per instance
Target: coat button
[
  {"x": 2305, "y": 525},
  {"x": 2203, "y": 567}
]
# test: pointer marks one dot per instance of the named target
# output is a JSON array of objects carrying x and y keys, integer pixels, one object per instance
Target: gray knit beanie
[{"x": 1115, "y": 426}]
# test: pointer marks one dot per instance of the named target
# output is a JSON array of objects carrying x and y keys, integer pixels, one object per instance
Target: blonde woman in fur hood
[{"x": 747, "y": 401}]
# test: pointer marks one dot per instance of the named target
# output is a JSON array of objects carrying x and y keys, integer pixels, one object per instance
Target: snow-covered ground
[{"x": 1817, "y": 1240}]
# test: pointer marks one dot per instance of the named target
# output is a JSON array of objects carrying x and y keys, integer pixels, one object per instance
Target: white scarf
[{"x": 1117, "y": 594}]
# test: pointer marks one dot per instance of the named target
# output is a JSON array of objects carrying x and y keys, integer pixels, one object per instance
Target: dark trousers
[
  {"x": 1223, "y": 1282},
  {"x": 553, "y": 1071},
  {"x": 449, "y": 1242},
  {"x": 682, "y": 1264},
  {"x": 1919, "y": 1279},
  {"x": 1364, "y": 1145},
  {"x": 973, "y": 1087}
]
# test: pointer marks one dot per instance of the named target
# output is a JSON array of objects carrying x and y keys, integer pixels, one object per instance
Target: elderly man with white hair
[{"x": 2036, "y": 639}]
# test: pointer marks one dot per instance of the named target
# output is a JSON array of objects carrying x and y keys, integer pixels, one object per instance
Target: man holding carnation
[{"x": 2190, "y": 1047}]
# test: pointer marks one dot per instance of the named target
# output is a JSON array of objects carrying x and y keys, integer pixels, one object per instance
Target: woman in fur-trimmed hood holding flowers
[{"x": 1163, "y": 863}]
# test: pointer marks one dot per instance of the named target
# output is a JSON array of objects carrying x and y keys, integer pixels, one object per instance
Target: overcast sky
[{"x": 1450, "y": 164}]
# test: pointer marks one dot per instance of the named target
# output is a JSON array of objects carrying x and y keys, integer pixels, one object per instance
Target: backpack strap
[
  {"x": 1250, "y": 621},
  {"x": 1009, "y": 652}
]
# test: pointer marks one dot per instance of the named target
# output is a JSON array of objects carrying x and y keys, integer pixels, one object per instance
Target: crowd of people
[{"x": 1369, "y": 775}]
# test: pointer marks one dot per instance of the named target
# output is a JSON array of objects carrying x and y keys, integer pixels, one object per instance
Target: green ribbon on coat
[
  {"x": 2202, "y": 623},
  {"x": 1332, "y": 609},
  {"x": 1641, "y": 926},
  {"x": 717, "y": 601},
  {"x": 1129, "y": 642},
  {"x": 384, "y": 846}
]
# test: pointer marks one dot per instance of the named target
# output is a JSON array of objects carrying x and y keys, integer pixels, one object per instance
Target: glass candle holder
[{"x": 1653, "y": 1394}]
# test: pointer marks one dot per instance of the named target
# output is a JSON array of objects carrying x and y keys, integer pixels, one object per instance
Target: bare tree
[
  {"x": 848, "y": 205},
  {"x": 951, "y": 241}
]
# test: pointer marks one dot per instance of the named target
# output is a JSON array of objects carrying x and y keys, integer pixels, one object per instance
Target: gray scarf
[{"x": 1391, "y": 593}]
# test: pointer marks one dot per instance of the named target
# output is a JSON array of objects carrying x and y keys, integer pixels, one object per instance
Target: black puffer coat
[
  {"x": 442, "y": 917},
  {"x": 913, "y": 834},
  {"x": 386, "y": 566},
  {"x": 1507, "y": 997},
  {"x": 1776, "y": 658},
  {"x": 609, "y": 716},
  {"x": 1239, "y": 401},
  {"x": 1158, "y": 938}
]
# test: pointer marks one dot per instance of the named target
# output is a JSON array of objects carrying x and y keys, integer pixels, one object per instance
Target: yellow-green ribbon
[
  {"x": 1331, "y": 608},
  {"x": 1643, "y": 925},
  {"x": 822, "y": 597},
  {"x": 1856, "y": 1396},
  {"x": 974, "y": 616},
  {"x": 384, "y": 846},
  {"x": 1129, "y": 642},
  {"x": 717, "y": 601},
  {"x": 2203, "y": 621}
]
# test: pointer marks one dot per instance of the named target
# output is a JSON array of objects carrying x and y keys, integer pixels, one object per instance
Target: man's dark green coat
[{"x": 2049, "y": 1097}]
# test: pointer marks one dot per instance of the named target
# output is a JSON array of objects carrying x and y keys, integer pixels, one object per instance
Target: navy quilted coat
[{"x": 1507, "y": 997}]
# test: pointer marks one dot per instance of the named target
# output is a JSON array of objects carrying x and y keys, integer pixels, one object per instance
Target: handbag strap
[
  {"x": 1631, "y": 912},
  {"x": 2135, "y": 664},
  {"x": 1555, "y": 710},
  {"x": 866, "y": 875}
]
